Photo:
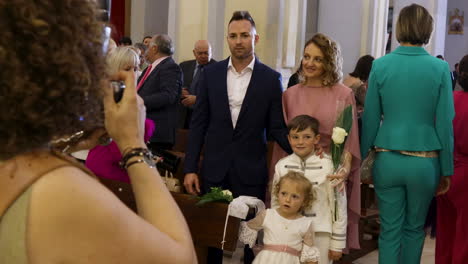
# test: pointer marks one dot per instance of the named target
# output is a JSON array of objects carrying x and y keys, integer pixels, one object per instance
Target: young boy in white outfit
[{"x": 329, "y": 209}]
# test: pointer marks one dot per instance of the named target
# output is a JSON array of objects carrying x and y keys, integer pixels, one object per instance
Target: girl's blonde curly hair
[
  {"x": 300, "y": 180},
  {"x": 332, "y": 63}
]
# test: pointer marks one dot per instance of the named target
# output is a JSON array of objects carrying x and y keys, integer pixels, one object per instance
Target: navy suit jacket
[
  {"x": 188, "y": 68},
  {"x": 161, "y": 94},
  {"x": 243, "y": 148}
]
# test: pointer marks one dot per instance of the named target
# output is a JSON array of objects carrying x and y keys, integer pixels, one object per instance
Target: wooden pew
[{"x": 206, "y": 223}]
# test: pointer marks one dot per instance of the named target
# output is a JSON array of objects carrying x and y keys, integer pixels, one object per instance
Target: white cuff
[
  {"x": 337, "y": 243},
  {"x": 336, "y": 249},
  {"x": 247, "y": 235},
  {"x": 309, "y": 254}
]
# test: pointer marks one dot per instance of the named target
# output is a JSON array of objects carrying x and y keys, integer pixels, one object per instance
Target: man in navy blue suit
[{"x": 238, "y": 105}]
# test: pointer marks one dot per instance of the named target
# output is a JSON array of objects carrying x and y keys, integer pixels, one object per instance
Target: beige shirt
[{"x": 237, "y": 83}]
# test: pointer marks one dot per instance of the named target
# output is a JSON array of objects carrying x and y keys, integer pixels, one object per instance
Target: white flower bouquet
[
  {"x": 216, "y": 194},
  {"x": 340, "y": 133}
]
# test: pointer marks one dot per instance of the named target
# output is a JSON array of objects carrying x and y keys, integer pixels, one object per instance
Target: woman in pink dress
[
  {"x": 452, "y": 209},
  {"x": 321, "y": 95},
  {"x": 104, "y": 160}
]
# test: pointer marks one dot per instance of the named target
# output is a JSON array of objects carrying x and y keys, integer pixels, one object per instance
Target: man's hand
[
  {"x": 189, "y": 100},
  {"x": 334, "y": 255},
  {"x": 191, "y": 183},
  {"x": 185, "y": 92},
  {"x": 444, "y": 185}
]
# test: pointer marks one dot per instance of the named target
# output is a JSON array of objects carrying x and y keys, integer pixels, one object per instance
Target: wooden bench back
[{"x": 206, "y": 223}]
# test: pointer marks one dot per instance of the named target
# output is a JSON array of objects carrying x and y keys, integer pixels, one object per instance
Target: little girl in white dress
[{"x": 288, "y": 235}]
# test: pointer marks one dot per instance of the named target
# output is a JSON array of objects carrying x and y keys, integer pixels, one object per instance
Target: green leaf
[
  {"x": 215, "y": 195},
  {"x": 347, "y": 118}
]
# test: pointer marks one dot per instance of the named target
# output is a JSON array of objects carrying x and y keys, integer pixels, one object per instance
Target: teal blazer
[{"x": 409, "y": 105}]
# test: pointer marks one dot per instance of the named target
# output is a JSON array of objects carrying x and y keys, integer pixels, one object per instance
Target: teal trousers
[{"x": 404, "y": 186}]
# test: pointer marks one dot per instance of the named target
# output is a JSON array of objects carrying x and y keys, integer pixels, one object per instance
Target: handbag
[
  {"x": 366, "y": 167},
  {"x": 172, "y": 184}
]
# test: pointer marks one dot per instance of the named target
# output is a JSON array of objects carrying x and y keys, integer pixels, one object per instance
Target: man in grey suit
[
  {"x": 160, "y": 86},
  {"x": 192, "y": 70}
]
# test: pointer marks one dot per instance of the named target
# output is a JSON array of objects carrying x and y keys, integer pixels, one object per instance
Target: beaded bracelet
[
  {"x": 134, "y": 162},
  {"x": 137, "y": 152}
]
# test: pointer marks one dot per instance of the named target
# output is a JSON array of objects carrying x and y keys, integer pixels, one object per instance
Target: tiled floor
[{"x": 371, "y": 258}]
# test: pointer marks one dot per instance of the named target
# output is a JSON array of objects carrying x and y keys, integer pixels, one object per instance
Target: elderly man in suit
[
  {"x": 238, "y": 105},
  {"x": 192, "y": 70},
  {"x": 160, "y": 87}
]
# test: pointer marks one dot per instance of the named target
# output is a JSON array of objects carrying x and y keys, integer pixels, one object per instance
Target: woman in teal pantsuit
[{"x": 408, "y": 118}]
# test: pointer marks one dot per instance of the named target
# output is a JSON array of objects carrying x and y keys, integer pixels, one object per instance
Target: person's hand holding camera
[{"x": 125, "y": 120}]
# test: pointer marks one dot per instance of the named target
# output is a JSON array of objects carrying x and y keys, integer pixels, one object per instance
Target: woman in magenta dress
[
  {"x": 321, "y": 95},
  {"x": 452, "y": 208},
  {"x": 104, "y": 160}
]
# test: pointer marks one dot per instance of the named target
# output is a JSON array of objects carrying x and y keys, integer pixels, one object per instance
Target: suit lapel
[
  {"x": 192, "y": 69},
  {"x": 153, "y": 73},
  {"x": 223, "y": 98},
  {"x": 249, "y": 94}
]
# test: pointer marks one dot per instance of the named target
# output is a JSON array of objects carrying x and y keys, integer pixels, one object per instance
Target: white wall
[
  {"x": 148, "y": 17},
  {"x": 192, "y": 26},
  {"x": 456, "y": 46},
  {"x": 342, "y": 21},
  {"x": 216, "y": 35}
]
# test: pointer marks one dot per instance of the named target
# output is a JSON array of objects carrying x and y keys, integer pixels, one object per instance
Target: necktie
[
  {"x": 193, "y": 85},
  {"x": 142, "y": 80}
]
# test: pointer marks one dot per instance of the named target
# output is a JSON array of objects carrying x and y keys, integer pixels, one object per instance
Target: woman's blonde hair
[
  {"x": 121, "y": 57},
  {"x": 332, "y": 61},
  {"x": 414, "y": 25},
  {"x": 300, "y": 180}
]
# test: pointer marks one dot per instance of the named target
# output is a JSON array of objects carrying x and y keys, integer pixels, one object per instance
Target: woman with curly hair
[
  {"x": 452, "y": 209},
  {"x": 407, "y": 120},
  {"x": 321, "y": 95},
  {"x": 52, "y": 84}
]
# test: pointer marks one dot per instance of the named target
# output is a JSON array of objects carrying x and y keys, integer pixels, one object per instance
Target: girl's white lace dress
[{"x": 286, "y": 236}]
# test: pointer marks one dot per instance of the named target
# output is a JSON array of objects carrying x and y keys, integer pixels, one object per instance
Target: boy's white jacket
[{"x": 316, "y": 170}]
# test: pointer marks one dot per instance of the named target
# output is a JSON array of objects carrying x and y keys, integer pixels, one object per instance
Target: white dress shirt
[{"x": 237, "y": 84}]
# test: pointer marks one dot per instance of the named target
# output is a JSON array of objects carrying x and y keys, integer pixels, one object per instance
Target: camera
[{"x": 118, "y": 88}]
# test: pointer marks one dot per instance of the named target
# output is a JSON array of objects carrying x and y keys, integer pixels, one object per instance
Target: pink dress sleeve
[{"x": 354, "y": 180}]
